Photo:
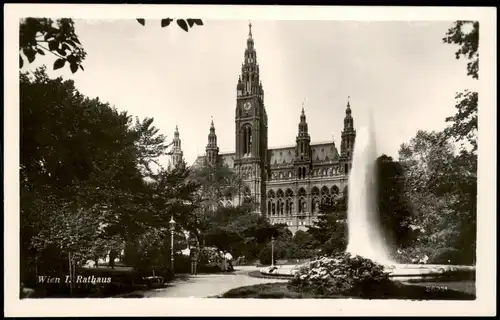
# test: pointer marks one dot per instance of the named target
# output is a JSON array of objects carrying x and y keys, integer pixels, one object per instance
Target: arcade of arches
[{"x": 298, "y": 209}]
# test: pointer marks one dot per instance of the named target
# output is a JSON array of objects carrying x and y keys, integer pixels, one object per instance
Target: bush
[
  {"x": 447, "y": 256},
  {"x": 443, "y": 255},
  {"x": 280, "y": 252},
  {"x": 341, "y": 274}
]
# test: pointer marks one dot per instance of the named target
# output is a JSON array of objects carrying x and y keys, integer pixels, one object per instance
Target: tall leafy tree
[
  {"x": 392, "y": 204},
  {"x": 218, "y": 183},
  {"x": 441, "y": 187},
  {"x": 81, "y": 178},
  {"x": 463, "y": 126},
  {"x": 329, "y": 231},
  {"x": 239, "y": 230}
]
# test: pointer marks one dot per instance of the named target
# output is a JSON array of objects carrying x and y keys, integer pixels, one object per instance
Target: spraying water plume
[{"x": 365, "y": 236}]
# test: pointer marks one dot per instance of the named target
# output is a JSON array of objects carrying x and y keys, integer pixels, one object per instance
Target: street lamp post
[
  {"x": 172, "y": 229},
  {"x": 272, "y": 252}
]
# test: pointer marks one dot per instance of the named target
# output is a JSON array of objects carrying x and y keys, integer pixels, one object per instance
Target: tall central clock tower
[{"x": 251, "y": 131}]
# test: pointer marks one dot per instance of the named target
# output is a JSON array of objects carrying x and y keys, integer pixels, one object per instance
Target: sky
[{"x": 400, "y": 72}]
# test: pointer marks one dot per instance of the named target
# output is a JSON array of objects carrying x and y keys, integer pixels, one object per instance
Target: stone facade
[{"x": 286, "y": 184}]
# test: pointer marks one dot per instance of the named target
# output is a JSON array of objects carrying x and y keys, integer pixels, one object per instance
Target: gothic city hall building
[{"x": 286, "y": 184}]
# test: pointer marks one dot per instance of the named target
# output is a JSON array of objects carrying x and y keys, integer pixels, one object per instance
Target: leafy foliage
[
  {"x": 267, "y": 253},
  {"x": 466, "y": 35},
  {"x": 329, "y": 231},
  {"x": 442, "y": 189},
  {"x": 426, "y": 158},
  {"x": 239, "y": 231},
  {"x": 40, "y": 35},
  {"x": 464, "y": 123},
  {"x": 184, "y": 24},
  {"x": 218, "y": 183},
  {"x": 86, "y": 180},
  {"x": 393, "y": 206},
  {"x": 302, "y": 246},
  {"x": 340, "y": 274},
  {"x": 463, "y": 127}
]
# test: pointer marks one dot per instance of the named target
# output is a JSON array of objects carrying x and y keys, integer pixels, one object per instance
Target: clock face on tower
[{"x": 247, "y": 105}]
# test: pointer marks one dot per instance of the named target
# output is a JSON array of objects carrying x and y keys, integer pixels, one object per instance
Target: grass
[
  {"x": 397, "y": 291},
  {"x": 265, "y": 291}
]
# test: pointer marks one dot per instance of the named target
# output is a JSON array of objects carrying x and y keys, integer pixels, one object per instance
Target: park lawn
[{"x": 400, "y": 290}]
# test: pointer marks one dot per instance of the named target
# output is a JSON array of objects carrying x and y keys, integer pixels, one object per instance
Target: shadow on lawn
[{"x": 396, "y": 291}]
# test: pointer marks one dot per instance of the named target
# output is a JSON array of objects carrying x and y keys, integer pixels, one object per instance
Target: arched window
[
  {"x": 269, "y": 207},
  {"x": 247, "y": 195},
  {"x": 302, "y": 200},
  {"x": 302, "y": 205},
  {"x": 324, "y": 190},
  {"x": 289, "y": 201},
  {"x": 270, "y": 194},
  {"x": 280, "y": 204},
  {"x": 325, "y": 194},
  {"x": 280, "y": 193},
  {"x": 315, "y": 191},
  {"x": 302, "y": 192},
  {"x": 303, "y": 173},
  {"x": 316, "y": 205},
  {"x": 334, "y": 191},
  {"x": 346, "y": 168},
  {"x": 273, "y": 209},
  {"x": 298, "y": 173},
  {"x": 247, "y": 139}
]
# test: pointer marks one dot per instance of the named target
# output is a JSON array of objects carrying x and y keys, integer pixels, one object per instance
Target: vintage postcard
[{"x": 249, "y": 160}]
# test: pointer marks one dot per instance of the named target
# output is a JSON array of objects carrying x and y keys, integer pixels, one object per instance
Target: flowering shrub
[{"x": 341, "y": 274}]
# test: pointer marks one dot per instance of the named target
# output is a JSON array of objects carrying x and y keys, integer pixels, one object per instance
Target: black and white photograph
[{"x": 243, "y": 155}]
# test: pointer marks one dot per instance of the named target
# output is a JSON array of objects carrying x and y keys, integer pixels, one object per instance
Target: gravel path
[{"x": 207, "y": 285}]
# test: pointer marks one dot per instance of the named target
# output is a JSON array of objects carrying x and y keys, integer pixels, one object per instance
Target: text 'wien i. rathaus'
[{"x": 286, "y": 184}]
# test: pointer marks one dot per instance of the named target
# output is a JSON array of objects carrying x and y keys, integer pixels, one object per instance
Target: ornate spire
[
  {"x": 212, "y": 150},
  {"x": 303, "y": 123},
  {"x": 348, "y": 134},
  {"x": 249, "y": 82},
  {"x": 348, "y": 109},
  {"x": 348, "y": 121},
  {"x": 176, "y": 152}
]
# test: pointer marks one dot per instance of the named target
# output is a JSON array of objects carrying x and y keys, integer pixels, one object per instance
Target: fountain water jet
[{"x": 365, "y": 236}]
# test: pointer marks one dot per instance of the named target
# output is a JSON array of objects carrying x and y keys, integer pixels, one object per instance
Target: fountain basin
[
  {"x": 426, "y": 271},
  {"x": 399, "y": 272}
]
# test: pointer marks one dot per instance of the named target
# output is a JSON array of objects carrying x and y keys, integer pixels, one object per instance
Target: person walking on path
[
  {"x": 193, "y": 253},
  {"x": 229, "y": 260}
]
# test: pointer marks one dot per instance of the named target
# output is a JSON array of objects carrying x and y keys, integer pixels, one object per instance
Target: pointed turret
[
  {"x": 348, "y": 138},
  {"x": 176, "y": 153},
  {"x": 212, "y": 150},
  {"x": 303, "y": 148}
]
